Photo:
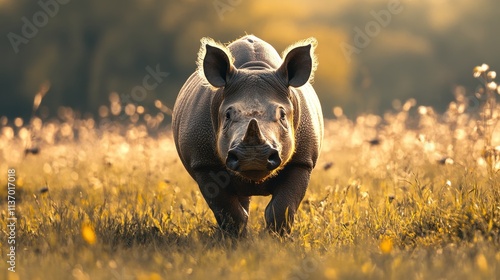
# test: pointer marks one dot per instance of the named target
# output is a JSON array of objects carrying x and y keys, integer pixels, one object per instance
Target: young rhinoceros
[{"x": 250, "y": 123}]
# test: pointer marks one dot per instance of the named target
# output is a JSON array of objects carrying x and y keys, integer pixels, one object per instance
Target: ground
[{"x": 412, "y": 194}]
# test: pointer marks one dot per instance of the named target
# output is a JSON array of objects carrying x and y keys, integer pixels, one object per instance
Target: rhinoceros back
[{"x": 250, "y": 48}]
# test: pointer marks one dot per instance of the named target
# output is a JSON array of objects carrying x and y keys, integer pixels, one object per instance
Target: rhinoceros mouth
[
  {"x": 255, "y": 175},
  {"x": 254, "y": 168}
]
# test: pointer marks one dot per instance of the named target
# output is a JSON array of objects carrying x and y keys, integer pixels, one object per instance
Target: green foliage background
[{"x": 92, "y": 48}]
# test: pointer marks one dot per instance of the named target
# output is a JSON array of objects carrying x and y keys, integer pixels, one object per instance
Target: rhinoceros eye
[
  {"x": 228, "y": 114},
  {"x": 227, "y": 118},
  {"x": 282, "y": 117},
  {"x": 282, "y": 114}
]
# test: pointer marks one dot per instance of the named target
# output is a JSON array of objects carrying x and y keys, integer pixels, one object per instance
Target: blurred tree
[{"x": 88, "y": 49}]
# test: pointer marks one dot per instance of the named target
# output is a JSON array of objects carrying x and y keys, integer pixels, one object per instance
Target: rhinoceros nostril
[
  {"x": 232, "y": 161},
  {"x": 274, "y": 160}
]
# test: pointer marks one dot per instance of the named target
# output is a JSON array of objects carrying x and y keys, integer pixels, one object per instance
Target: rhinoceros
[{"x": 248, "y": 122}]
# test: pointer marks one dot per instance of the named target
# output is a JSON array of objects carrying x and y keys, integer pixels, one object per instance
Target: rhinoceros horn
[{"x": 253, "y": 136}]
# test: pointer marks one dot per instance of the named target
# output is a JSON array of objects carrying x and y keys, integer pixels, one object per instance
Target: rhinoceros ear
[
  {"x": 299, "y": 64},
  {"x": 217, "y": 66}
]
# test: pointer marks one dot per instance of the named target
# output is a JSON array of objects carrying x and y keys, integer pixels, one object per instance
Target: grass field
[{"x": 409, "y": 195}]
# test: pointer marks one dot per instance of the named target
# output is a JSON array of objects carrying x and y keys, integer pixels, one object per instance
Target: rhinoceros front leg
[
  {"x": 230, "y": 210},
  {"x": 289, "y": 190},
  {"x": 231, "y": 213}
]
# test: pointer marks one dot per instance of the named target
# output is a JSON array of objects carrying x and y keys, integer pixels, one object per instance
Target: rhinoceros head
[{"x": 256, "y": 115}]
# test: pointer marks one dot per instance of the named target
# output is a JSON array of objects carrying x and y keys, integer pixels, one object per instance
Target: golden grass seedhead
[
  {"x": 386, "y": 245},
  {"x": 482, "y": 263},
  {"x": 20, "y": 182},
  {"x": 338, "y": 111},
  {"x": 44, "y": 87},
  {"x": 492, "y": 75},
  {"x": 492, "y": 86},
  {"x": 152, "y": 276},
  {"x": 477, "y": 71},
  {"x": 12, "y": 276},
  {"x": 409, "y": 104},
  {"x": 330, "y": 273},
  {"x": 37, "y": 101},
  {"x": 485, "y": 67},
  {"x": 422, "y": 110},
  {"x": 88, "y": 234}
]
